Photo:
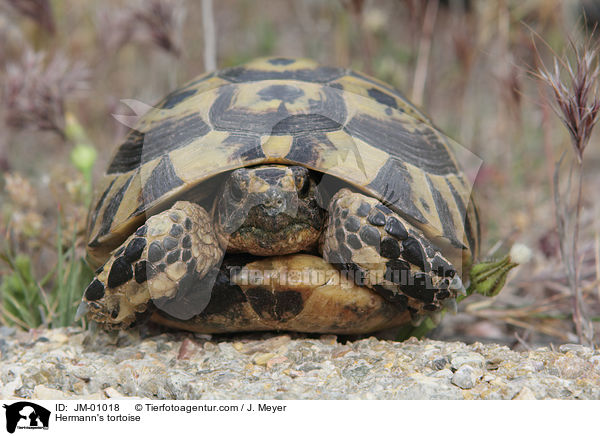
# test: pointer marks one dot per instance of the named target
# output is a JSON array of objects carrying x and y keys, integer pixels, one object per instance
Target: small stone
[
  {"x": 267, "y": 345},
  {"x": 329, "y": 339},
  {"x": 41, "y": 392},
  {"x": 574, "y": 348},
  {"x": 439, "y": 363},
  {"x": 210, "y": 347},
  {"x": 464, "y": 377},
  {"x": 263, "y": 358},
  {"x": 470, "y": 358},
  {"x": 59, "y": 338},
  {"x": 294, "y": 373},
  {"x": 577, "y": 350},
  {"x": 571, "y": 366},
  {"x": 488, "y": 378},
  {"x": 111, "y": 392},
  {"x": 340, "y": 351},
  {"x": 537, "y": 365},
  {"x": 277, "y": 360},
  {"x": 7, "y": 331},
  {"x": 525, "y": 394},
  {"x": 79, "y": 387},
  {"x": 187, "y": 349},
  {"x": 443, "y": 373}
]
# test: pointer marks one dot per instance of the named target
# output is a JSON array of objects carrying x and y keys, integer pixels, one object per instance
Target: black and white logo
[{"x": 26, "y": 415}]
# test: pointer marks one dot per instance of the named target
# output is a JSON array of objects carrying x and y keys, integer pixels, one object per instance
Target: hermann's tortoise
[{"x": 229, "y": 203}]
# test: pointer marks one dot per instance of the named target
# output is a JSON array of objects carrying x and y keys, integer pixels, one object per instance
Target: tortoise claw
[
  {"x": 82, "y": 310},
  {"x": 436, "y": 317},
  {"x": 416, "y": 320},
  {"x": 458, "y": 286},
  {"x": 451, "y": 305}
]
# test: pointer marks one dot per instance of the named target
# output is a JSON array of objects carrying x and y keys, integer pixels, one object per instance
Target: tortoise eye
[
  {"x": 303, "y": 185},
  {"x": 301, "y": 178},
  {"x": 236, "y": 191}
]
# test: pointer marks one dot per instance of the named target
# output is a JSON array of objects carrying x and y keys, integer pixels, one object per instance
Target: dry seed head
[
  {"x": 20, "y": 191},
  {"x": 156, "y": 21},
  {"x": 161, "y": 21},
  {"x": 39, "y": 11},
  {"x": 35, "y": 90},
  {"x": 576, "y": 91},
  {"x": 115, "y": 28}
]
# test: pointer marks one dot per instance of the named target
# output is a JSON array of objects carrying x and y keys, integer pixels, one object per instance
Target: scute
[{"x": 290, "y": 111}]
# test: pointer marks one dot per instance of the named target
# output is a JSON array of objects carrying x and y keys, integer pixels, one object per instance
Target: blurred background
[{"x": 65, "y": 66}]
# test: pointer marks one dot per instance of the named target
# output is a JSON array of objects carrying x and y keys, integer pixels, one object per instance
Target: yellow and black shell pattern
[{"x": 287, "y": 111}]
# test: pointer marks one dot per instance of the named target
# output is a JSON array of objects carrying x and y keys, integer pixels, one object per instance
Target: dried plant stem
[
  {"x": 356, "y": 7},
  {"x": 424, "y": 51},
  {"x": 547, "y": 139},
  {"x": 578, "y": 315},
  {"x": 210, "y": 39},
  {"x": 4, "y": 166},
  {"x": 597, "y": 257},
  {"x": 570, "y": 254}
]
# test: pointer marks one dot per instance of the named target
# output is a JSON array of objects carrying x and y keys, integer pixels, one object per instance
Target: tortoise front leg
[
  {"x": 170, "y": 263},
  {"x": 386, "y": 253}
]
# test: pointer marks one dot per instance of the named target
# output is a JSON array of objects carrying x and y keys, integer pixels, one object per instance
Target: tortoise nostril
[{"x": 274, "y": 203}]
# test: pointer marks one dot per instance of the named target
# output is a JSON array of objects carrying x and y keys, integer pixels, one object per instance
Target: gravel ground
[{"x": 71, "y": 363}]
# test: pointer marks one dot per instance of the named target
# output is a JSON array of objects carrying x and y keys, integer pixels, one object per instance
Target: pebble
[
  {"x": 262, "y": 359},
  {"x": 75, "y": 364},
  {"x": 113, "y": 393},
  {"x": 577, "y": 349},
  {"x": 465, "y": 377},
  {"x": 276, "y": 360},
  {"x": 187, "y": 349},
  {"x": 439, "y": 363},
  {"x": 571, "y": 366},
  {"x": 461, "y": 358},
  {"x": 7, "y": 331},
  {"x": 443, "y": 373},
  {"x": 41, "y": 392},
  {"x": 525, "y": 394}
]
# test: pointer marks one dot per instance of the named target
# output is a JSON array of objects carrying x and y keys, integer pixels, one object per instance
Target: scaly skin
[
  {"x": 171, "y": 262},
  {"x": 387, "y": 254},
  {"x": 173, "y": 251}
]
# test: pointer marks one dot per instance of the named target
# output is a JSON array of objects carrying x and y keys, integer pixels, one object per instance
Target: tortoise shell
[{"x": 288, "y": 111}]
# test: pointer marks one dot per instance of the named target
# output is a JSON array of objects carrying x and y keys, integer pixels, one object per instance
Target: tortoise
[{"x": 280, "y": 195}]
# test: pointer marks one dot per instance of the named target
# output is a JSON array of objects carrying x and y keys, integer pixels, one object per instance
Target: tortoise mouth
[
  {"x": 258, "y": 218},
  {"x": 291, "y": 237},
  {"x": 266, "y": 235}
]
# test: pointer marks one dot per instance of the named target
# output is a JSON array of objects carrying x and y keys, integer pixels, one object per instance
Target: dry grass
[
  {"x": 473, "y": 82},
  {"x": 575, "y": 88},
  {"x": 35, "y": 90}
]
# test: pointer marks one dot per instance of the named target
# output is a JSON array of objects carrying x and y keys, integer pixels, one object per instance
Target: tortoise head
[{"x": 269, "y": 209}]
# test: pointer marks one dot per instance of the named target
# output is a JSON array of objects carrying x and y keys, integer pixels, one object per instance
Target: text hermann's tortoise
[{"x": 280, "y": 195}]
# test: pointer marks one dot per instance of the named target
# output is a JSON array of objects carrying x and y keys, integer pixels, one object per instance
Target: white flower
[{"x": 520, "y": 253}]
